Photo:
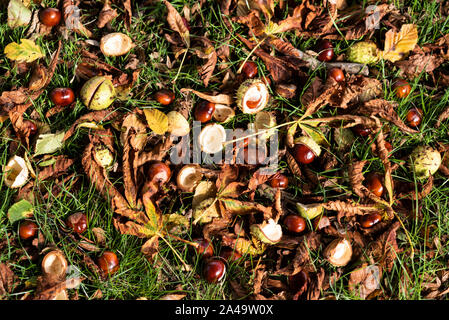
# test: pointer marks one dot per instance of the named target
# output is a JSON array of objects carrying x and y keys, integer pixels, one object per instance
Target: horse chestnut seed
[
  {"x": 50, "y": 17},
  {"x": 326, "y": 51},
  {"x": 280, "y": 181},
  {"x": 159, "y": 172},
  {"x": 249, "y": 69},
  {"x": 164, "y": 97},
  {"x": 361, "y": 130},
  {"x": 31, "y": 126},
  {"x": 230, "y": 255},
  {"x": 303, "y": 154},
  {"x": 369, "y": 220},
  {"x": 374, "y": 184},
  {"x": 205, "y": 248},
  {"x": 214, "y": 271},
  {"x": 204, "y": 111},
  {"x": 27, "y": 230},
  {"x": 414, "y": 117},
  {"x": 62, "y": 96},
  {"x": 295, "y": 223},
  {"x": 108, "y": 262},
  {"x": 77, "y": 222},
  {"x": 402, "y": 88},
  {"x": 337, "y": 74}
]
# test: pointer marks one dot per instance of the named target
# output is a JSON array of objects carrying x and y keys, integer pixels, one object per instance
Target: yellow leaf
[
  {"x": 398, "y": 44},
  {"x": 26, "y": 51},
  {"x": 157, "y": 120}
]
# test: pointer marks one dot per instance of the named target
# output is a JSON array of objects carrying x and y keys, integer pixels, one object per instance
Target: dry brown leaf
[
  {"x": 386, "y": 110},
  {"x": 72, "y": 20},
  {"x": 7, "y": 279},
  {"x": 175, "y": 22},
  {"x": 217, "y": 99},
  {"x": 210, "y": 55},
  {"x": 107, "y": 14},
  {"x": 62, "y": 163},
  {"x": 365, "y": 280}
]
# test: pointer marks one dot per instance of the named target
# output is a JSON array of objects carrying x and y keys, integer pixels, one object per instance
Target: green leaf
[
  {"x": 48, "y": 143},
  {"x": 20, "y": 210},
  {"x": 26, "y": 51}
]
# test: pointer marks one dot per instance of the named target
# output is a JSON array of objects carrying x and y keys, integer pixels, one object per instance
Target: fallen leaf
[
  {"x": 26, "y": 51},
  {"x": 398, "y": 44}
]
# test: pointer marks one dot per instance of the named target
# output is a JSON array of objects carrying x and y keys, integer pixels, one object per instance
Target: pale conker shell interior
[{"x": 54, "y": 264}]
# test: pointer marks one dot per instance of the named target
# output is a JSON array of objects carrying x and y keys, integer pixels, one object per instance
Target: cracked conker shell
[
  {"x": 98, "y": 93},
  {"x": 338, "y": 252},
  {"x": 267, "y": 232}
]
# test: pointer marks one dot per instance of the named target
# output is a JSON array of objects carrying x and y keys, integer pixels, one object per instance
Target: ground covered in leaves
[{"x": 71, "y": 159}]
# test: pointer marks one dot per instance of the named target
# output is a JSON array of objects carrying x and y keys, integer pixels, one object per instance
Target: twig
[{"x": 313, "y": 63}]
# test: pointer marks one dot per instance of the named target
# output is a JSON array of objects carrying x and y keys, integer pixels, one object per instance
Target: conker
[
  {"x": 62, "y": 96},
  {"x": 369, "y": 220},
  {"x": 298, "y": 280},
  {"x": 337, "y": 74},
  {"x": 27, "y": 230},
  {"x": 374, "y": 184},
  {"x": 303, "y": 154},
  {"x": 230, "y": 255},
  {"x": 214, "y": 271},
  {"x": 280, "y": 181},
  {"x": 295, "y": 223},
  {"x": 159, "y": 172},
  {"x": 414, "y": 117},
  {"x": 108, "y": 262},
  {"x": 249, "y": 69},
  {"x": 50, "y": 17},
  {"x": 326, "y": 51},
  {"x": 204, "y": 111},
  {"x": 402, "y": 88},
  {"x": 388, "y": 146},
  {"x": 361, "y": 130},
  {"x": 205, "y": 248},
  {"x": 31, "y": 126},
  {"x": 164, "y": 97},
  {"x": 77, "y": 222}
]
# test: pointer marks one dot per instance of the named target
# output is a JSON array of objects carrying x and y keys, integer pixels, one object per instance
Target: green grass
[{"x": 138, "y": 277}]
